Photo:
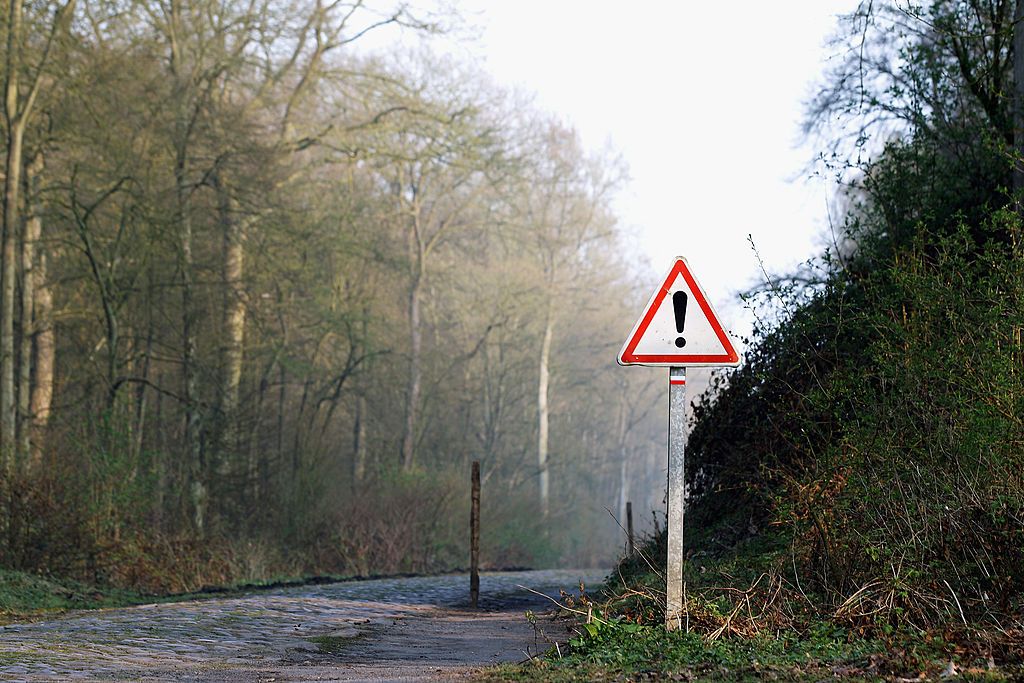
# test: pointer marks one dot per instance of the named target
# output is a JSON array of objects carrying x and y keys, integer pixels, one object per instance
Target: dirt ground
[{"x": 437, "y": 644}]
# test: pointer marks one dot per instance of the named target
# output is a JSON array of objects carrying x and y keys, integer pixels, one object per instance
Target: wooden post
[
  {"x": 629, "y": 527},
  {"x": 474, "y": 538}
]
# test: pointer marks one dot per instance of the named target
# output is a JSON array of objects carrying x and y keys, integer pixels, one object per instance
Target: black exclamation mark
[{"x": 679, "y": 306}]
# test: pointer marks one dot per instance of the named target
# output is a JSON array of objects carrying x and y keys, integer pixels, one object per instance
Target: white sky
[{"x": 703, "y": 100}]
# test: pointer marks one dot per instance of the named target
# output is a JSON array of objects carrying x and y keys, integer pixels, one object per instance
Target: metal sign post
[
  {"x": 678, "y": 329},
  {"x": 676, "y": 497}
]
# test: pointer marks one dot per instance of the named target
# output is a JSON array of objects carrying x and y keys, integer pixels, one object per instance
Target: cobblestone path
[{"x": 385, "y": 629}]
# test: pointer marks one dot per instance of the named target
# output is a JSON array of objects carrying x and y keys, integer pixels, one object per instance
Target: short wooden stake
[
  {"x": 629, "y": 527},
  {"x": 474, "y": 538}
]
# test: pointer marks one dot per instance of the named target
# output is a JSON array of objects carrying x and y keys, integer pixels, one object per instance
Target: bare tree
[
  {"x": 19, "y": 108},
  {"x": 439, "y": 155},
  {"x": 564, "y": 211}
]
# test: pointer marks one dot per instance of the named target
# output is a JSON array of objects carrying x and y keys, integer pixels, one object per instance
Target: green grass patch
[
  {"x": 637, "y": 650},
  {"x": 15, "y": 658},
  {"x": 331, "y": 645},
  {"x": 622, "y": 651},
  {"x": 748, "y": 620},
  {"x": 26, "y": 595}
]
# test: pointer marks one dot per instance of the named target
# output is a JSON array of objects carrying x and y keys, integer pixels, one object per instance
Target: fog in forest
[{"x": 265, "y": 298}]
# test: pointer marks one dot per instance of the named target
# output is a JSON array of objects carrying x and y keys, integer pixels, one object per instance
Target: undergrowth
[
  {"x": 27, "y": 596},
  {"x": 748, "y": 617},
  {"x": 856, "y": 499},
  {"x": 23, "y": 594}
]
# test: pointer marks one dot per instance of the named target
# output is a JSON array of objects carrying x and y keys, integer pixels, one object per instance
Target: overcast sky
[{"x": 703, "y": 100}]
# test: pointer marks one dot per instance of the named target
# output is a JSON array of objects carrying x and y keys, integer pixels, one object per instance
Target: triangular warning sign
[{"x": 679, "y": 327}]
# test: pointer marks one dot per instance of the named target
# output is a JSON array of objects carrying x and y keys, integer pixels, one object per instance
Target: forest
[{"x": 264, "y": 298}]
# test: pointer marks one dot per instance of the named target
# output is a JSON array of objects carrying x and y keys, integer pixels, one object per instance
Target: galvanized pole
[{"x": 676, "y": 484}]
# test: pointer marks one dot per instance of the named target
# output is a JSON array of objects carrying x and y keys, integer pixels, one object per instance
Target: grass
[
  {"x": 25, "y": 596},
  {"x": 618, "y": 650},
  {"x": 629, "y": 651},
  {"x": 331, "y": 645},
  {"x": 15, "y": 658},
  {"x": 748, "y": 621}
]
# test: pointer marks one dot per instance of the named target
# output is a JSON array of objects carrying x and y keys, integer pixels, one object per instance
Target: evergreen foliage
[
  {"x": 877, "y": 419},
  {"x": 875, "y": 430}
]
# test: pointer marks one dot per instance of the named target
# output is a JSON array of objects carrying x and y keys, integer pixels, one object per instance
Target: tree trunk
[
  {"x": 139, "y": 422},
  {"x": 254, "y": 445},
  {"x": 359, "y": 446},
  {"x": 620, "y": 451},
  {"x": 17, "y": 113},
  {"x": 1018, "y": 102},
  {"x": 257, "y": 438},
  {"x": 282, "y": 398},
  {"x": 359, "y": 442},
  {"x": 160, "y": 462},
  {"x": 298, "y": 444},
  {"x": 45, "y": 361},
  {"x": 415, "y": 372},
  {"x": 198, "y": 487},
  {"x": 147, "y": 361},
  {"x": 542, "y": 413},
  {"x": 233, "y": 320},
  {"x": 32, "y": 234},
  {"x": 12, "y": 186},
  {"x": 8, "y": 289}
]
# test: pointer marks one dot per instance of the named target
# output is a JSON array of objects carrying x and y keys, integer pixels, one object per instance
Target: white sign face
[{"x": 678, "y": 327}]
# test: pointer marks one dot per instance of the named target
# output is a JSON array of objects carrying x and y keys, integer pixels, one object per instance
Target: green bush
[{"x": 881, "y": 425}]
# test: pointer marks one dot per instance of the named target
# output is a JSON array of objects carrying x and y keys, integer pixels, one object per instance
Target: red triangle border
[{"x": 730, "y": 357}]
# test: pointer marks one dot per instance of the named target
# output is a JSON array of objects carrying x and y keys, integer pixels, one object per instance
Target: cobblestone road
[{"x": 386, "y": 629}]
